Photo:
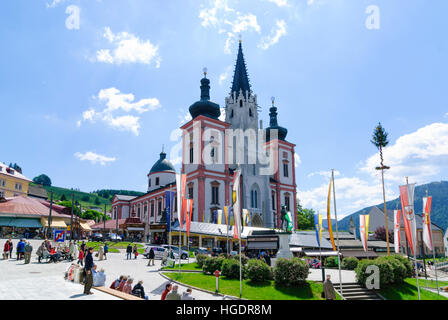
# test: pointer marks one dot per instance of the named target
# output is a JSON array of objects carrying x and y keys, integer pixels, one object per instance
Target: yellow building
[{"x": 12, "y": 183}]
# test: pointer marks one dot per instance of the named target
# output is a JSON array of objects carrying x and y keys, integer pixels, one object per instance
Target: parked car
[
  {"x": 183, "y": 253},
  {"x": 201, "y": 250},
  {"x": 216, "y": 252},
  {"x": 158, "y": 252},
  {"x": 96, "y": 237},
  {"x": 113, "y": 237}
]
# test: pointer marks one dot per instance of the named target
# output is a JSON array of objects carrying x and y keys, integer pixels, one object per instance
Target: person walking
[
  {"x": 6, "y": 250},
  {"x": 173, "y": 295},
  {"x": 187, "y": 295},
  {"x": 20, "y": 249},
  {"x": 11, "y": 246},
  {"x": 151, "y": 256},
  {"x": 81, "y": 257},
  {"x": 135, "y": 251},
  {"x": 106, "y": 250},
  {"x": 166, "y": 291},
  {"x": 28, "y": 249},
  {"x": 329, "y": 289},
  {"x": 267, "y": 258},
  {"x": 83, "y": 247},
  {"x": 88, "y": 270},
  {"x": 100, "y": 253},
  {"x": 129, "y": 252},
  {"x": 71, "y": 251}
]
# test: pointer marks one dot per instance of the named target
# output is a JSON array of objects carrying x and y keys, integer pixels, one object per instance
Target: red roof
[
  {"x": 110, "y": 224},
  {"x": 56, "y": 207},
  {"x": 26, "y": 206}
]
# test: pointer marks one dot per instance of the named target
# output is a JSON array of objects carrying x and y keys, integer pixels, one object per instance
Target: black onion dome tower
[
  {"x": 205, "y": 107},
  {"x": 273, "y": 124}
]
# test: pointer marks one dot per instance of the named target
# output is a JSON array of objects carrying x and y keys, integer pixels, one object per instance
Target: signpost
[{"x": 59, "y": 236}]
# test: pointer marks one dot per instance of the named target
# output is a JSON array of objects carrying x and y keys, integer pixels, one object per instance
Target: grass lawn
[
  {"x": 114, "y": 246},
  {"x": 427, "y": 283},
  {"x": 408, "y": 291},
  {"x": 185, "y": 266},
  {"x": 253, "y": 291}
]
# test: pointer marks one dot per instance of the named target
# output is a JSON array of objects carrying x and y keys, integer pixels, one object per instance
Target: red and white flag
[
  {"x": 427, "y": 222},
  {"x": 407, "y": 207},
  {"x": 236, "y": 204},
  {"x": 181, "y": 198},
  {"x": 189, "y": 213},
  {"x": 397, "y": 226},
  {"x": 364, "y": 229}
]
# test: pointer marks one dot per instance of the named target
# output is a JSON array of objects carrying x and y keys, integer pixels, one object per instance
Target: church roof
[
  {"x": 240, "y": 78},
  {"x": 204, "y": 106},
  {"x": 162, "y": 164},
  {"x": 273, "y": 124}
]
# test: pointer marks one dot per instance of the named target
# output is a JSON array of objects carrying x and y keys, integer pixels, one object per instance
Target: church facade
[{"x": 212, "y": 150}]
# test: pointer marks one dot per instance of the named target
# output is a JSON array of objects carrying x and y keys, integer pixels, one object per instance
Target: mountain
[
  {"x": 96, "y": 199},
  {"x": 439, "y": 210}
]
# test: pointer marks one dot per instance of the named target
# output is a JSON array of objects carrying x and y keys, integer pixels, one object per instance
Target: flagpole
[
  {"x": 433, "y": 253},
  {"x": 180, "y": 229},
  {"x": 414, "y": 244},
  {"x": 337, "y": 234}
]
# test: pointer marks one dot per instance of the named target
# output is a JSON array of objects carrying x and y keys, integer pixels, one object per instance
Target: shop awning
[
  {"x": 315, "y": 253},
  {"x": 26, "y": 223},
  {"x": 54, "y": 223},
  {"x": 85, "y": 226},
  {"x": 5, "y": 222},
  {"x": 135, "y": 229}
]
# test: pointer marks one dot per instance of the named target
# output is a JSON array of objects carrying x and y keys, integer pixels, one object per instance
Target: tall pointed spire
[{"x": 240, "y": 78}]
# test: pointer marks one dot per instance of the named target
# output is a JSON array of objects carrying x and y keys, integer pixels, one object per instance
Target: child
[{"x": 81, "y": 257}]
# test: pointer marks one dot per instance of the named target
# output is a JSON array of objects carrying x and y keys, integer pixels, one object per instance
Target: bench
[{"x": 118, "y": 294}]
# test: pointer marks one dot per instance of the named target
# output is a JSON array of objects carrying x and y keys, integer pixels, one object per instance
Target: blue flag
[
  {"x": 169, "y": 205},
  {"x": 318, "y": 226}
]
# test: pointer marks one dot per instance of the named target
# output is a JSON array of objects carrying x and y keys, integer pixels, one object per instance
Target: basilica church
[{"x": 209, "y": 182}]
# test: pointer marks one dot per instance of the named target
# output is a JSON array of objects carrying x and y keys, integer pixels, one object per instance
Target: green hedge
[
  {"x": 211, "y": 264},
  {"x": 231, "y": 269},
  {"x": 290, "y": 272},
  {"x": 393, "y": 270},
  {"x": 244, "y": 259},
  {"x": 349, "y": 263},
  {"x": 331, "y": 262},
  {"x": 200, "y": 259},
  {"x": 258, "y": 271}
]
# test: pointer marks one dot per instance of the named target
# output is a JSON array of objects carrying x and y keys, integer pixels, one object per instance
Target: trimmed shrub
[
  {"x": 385, "y": 269},
  {"x": 331, "y": 262},
  {"x": 407, "y": 264},
  {"x": 398, "y": 268},
  {"x": 231, "y": 269},
  {"x": 244, "y": 259},
  {"x": 200, "y": 259},
  {"x": 258, "y": 270},
  {"x": 290, "y": 272},
  {"x": 211, "y": 264},
  {"x": 349, "y": 263}
]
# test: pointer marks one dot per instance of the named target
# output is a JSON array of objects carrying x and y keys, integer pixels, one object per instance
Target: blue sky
[{"x": 91, "y": 103}]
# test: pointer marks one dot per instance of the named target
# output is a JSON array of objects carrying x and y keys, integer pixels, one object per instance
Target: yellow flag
[{"x": 330, "y": 227}]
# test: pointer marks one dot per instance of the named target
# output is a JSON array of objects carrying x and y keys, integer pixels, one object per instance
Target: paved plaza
[{"x": 46, "y": 280}]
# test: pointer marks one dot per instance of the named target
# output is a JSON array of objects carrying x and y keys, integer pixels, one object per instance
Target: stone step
[
  {"x": 353, "y": 291},
  {"x": 359, "y": 293},
  {"x": 362, "y": 297}
]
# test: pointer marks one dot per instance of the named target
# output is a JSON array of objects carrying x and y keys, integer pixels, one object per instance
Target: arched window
[
  {"x": 254, "y": 199},
  {"x": 231, "y": 114},
  {"x": 250, "y": 112},
  {"x": 241, "y": 103},
  {"x": 191, "y": 153}
]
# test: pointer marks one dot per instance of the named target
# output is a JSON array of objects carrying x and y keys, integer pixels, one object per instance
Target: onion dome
[
  {"x": 204, "y": 106},
  {"x": 273, "y": 124},
  {"x": 162, "y": 164}
]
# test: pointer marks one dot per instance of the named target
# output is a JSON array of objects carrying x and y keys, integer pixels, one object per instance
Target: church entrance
[{"x": 257, "y": 221}]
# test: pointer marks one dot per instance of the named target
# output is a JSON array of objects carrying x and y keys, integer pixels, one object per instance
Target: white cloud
[
  {"x": 225, "y": 75},
  {"x": 310, "y": 2},
  {"x": 54, "y": 3},
  {"x": 94, "y": 158},
  {"x": 280, "y": 3},
  {"x": 115, "y": 102},
  {"x": 128, "y": 48},
  {"x": 325, "y": 174},
  {"x": 419, "y": 155},
  {"x": 297, "y": 160},
  {"x": 227, "y": 20},
  {"x": 276, "y": 34}
]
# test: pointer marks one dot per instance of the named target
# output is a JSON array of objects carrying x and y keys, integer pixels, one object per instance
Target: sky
[{"x": 91, "y": 89}]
